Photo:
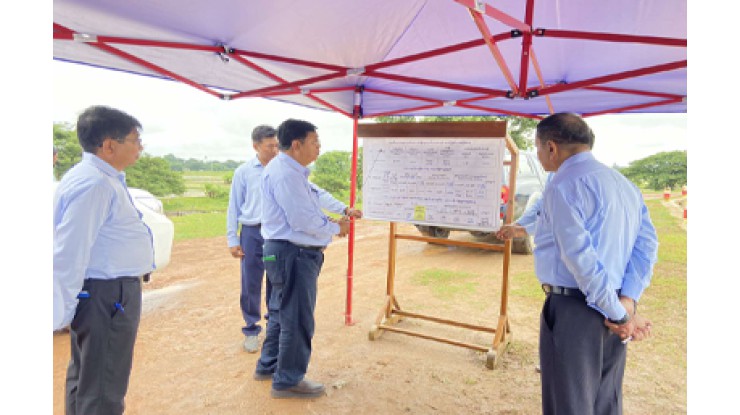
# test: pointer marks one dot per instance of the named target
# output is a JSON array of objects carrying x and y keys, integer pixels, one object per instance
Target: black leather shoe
[{"x": 304, "y": 389}]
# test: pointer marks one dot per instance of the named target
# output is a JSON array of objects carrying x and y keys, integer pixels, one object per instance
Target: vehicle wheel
[
  {"x": 523, "y": 245},
  {"x": 424, "y": 230},
  {"x": 439, "y": 232},
  {"x": 480, "y": 234}
]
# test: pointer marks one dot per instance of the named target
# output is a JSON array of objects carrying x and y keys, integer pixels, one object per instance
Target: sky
[{"x": 181, "y": 120}]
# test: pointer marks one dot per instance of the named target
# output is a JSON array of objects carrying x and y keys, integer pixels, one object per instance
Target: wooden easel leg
[
  {"x": 375, "y": 331},
  {"x": 501, "y": 342},
  {"x": 395, "y": 318}
]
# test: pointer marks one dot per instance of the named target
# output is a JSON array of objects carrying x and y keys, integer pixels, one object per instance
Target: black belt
[
  {"x": 311, "y": 247},
  {"x": 568, "y": 292},
  {"x": 257, "y": 225}
]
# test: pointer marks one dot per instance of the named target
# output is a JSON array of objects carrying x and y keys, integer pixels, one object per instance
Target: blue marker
[
  {"x": 119, "y": 307},
  {"x": 83, "y": 294}
]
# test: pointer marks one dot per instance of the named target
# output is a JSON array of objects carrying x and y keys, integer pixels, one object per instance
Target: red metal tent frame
[{"x": 477, "y": 9}]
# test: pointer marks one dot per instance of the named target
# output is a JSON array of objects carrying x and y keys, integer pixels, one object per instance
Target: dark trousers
[
  {"x": 253, "y": 272},
  {"x": 582, "y": 362},
  {"x": 287, "y": 346},
  {"x": 102, "y": 339}
]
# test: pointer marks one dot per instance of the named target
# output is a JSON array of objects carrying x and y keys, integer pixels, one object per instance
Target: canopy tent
[
  {"x": 366, "y": 58},
  {"x": 411, "y": 57}
]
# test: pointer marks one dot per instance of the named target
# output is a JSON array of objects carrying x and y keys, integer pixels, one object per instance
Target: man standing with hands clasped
[
  {"x": 595, "y": 248},
  {"x": 296, "y": 232},
  {"x": 245, "y": 209},
  {"x": 102, "y": 248}
]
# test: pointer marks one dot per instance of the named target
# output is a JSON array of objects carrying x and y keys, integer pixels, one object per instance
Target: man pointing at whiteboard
[{"x": 296, "y": 232}]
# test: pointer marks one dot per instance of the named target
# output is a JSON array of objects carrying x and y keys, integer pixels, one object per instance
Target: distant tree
[
  {"x": 68, "y": 147},
  {"x": 332, "y": 171},
  {"x": 155, "y": 175},
  {"x": 520, "y": 129},
  {"x": 175, "y": 163},
  {"x": 228, "y": 178},
  {"x": 215, "y": 191},
  {"x": 666, "y": 169},
  {"x": 192, "y": 164}
]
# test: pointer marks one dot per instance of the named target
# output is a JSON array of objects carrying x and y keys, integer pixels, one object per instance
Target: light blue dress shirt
[
  {"x": 98, "y": 233},
  {"x": 594, "y": 233},
  {"x": 245, "y": 199},
  {"x": 529, "y": 218},
  {"x": 291, "y": 208},
  {"x": 327, "y": 201}
]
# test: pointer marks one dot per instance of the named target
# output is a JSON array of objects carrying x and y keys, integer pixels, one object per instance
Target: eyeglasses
[{"x": 136, "y": 140}]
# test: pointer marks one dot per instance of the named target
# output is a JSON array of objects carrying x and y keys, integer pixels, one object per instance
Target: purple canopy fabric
[{"x": 410, "y": 57}]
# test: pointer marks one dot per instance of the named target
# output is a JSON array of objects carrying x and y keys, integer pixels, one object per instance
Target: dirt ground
[{"x": 189, "y": 357}]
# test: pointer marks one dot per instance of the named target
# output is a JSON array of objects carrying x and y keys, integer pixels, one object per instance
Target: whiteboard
[{"x": 450, "y": 182}]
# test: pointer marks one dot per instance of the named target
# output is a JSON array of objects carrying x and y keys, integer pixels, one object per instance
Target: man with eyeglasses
[
  {"x": 296, "y": 232},
  {"x": 102, "y": 249}
]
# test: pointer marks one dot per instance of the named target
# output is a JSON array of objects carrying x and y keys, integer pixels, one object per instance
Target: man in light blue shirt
[
  {"x": 102, "y": 248},
  {"x": 595, "y": 248},
  {"x": 296, "y": 232},
  {"x": 245, "y": 209}
]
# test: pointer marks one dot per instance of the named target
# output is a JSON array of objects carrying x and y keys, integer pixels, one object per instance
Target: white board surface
[{"x": 450, "y": 182}]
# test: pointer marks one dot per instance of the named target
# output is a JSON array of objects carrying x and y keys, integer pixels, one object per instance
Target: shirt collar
[
  {"x": 256, "y": 162},
  {"x": 102, "y": 165},
  {"x": 290, "y": 162},
  {"x": 575, "y": 159}
]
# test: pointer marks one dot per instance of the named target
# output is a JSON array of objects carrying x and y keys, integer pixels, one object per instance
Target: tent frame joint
[
  {"x": 480, "y": 6},
  {"x": 356, "y": 71},
  {"x": 225, "y": 54},
  {"x": 84, "y": 38}
]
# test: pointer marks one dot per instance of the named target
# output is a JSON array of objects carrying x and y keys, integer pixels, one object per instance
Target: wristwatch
[{"x": 622, "y": 320}]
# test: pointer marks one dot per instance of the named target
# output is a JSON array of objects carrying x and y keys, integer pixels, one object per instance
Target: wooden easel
[{"x": 391, "y": 313}]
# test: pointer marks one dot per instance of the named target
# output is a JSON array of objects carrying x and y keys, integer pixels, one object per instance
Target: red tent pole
[{"x": 352, "y": 196}]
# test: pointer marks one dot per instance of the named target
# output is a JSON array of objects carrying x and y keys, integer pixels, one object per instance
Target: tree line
[{"x": 162, "y": 176}]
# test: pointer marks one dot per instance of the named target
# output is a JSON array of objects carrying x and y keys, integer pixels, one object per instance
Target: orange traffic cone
[
  {"x": 683, "y": 190},
  {"x": 667, "y": 193}
]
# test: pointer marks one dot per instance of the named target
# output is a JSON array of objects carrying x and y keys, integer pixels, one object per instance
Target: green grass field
[{"x": 203, "y": 217}]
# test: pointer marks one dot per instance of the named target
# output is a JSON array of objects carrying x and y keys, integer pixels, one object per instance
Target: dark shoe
[
  {"x": 262, "y": 376},
  {"x": 304, "y": 389}
]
